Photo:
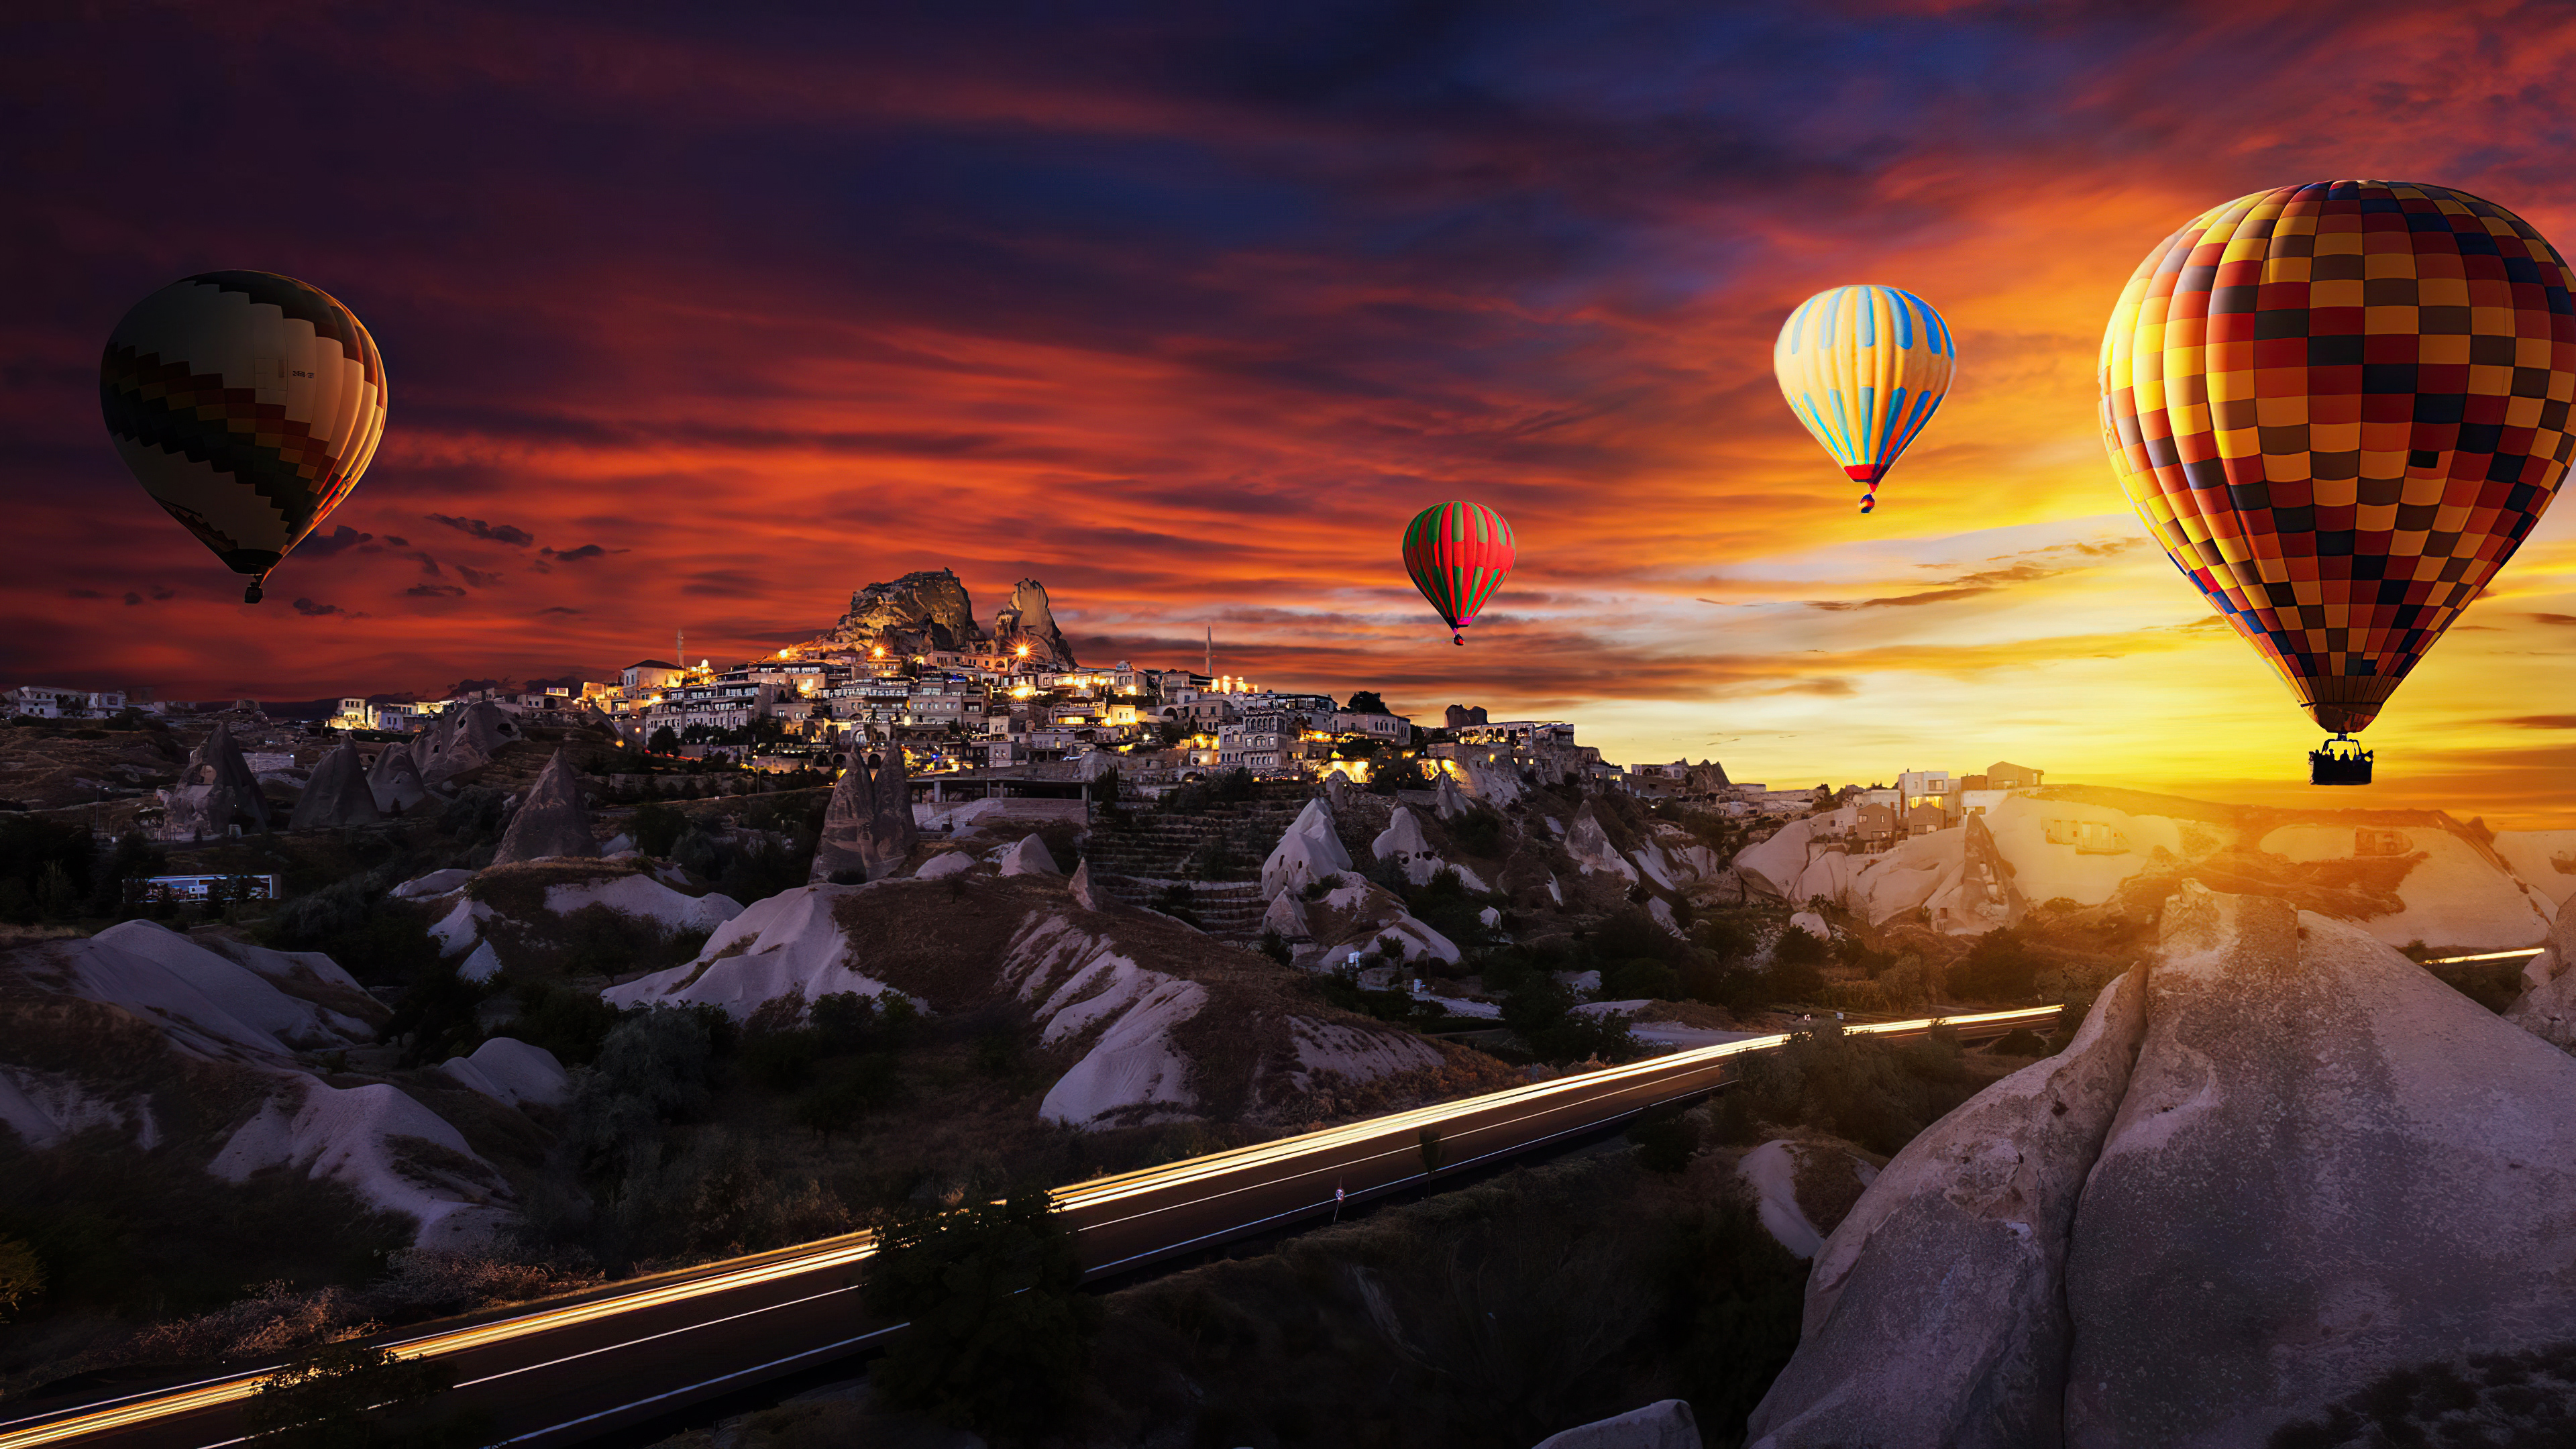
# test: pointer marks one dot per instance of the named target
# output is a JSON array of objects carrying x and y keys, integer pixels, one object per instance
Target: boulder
[
  {"x": 1310, "y": 851},
  {"x": 2548, "y": 1006},
  {"x": 945, "y": 864},
  {"x": 337, "y": 796},
  {"x": 1590, "y": 846},
  {"x": 2297, "y": 1164},
  {"x": 1448, "y": 803},
  {"x": 2328, "y": 1166},
  {"x": 1935, "y": 1312},
  {"x": 1318, "y": 820},
  {"x": 469, "y": 740},
  {"x": 1771, "y": 867},
  {"x": 1402, "y": 839},
  {"x": 1287, "y": 918},
  {"x": 1028, "y": 857},
  {"x": 1337, "y": 790},
  {"x": 867, "y": 828},
  {"x": 1813, "y": 924},
  {"x": 1665, "y": 1424},
  {"x": 551, "y": 821},
  {"x": 395, "y": 781}
]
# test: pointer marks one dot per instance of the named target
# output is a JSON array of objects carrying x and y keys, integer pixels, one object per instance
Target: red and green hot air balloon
[{"x": 1458, "y": 554}]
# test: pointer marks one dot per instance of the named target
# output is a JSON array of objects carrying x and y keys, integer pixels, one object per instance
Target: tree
[
  {"x": 1366, "y": 701},
  {"x": 663, "y": 742},
  {"x": 999, "y": 1327}
]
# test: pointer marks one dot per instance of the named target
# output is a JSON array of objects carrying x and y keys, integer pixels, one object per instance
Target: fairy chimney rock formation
[
  {"x": 867, "y": 828},
  {"x": 551, "y": 821},
  {"x": 337, "y": 796},
  {"x": 395, "y": 781}
]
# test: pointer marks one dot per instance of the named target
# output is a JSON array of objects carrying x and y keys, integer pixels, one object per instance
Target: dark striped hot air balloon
[
  {"x": 248, "y": 405},
  {"x": 2340, "y": 407},
  {"x": 1458, "y": 554}
]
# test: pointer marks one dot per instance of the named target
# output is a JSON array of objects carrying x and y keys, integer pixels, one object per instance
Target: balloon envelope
[
  {"x": 1458, "y": 554},
  {"x": 2340, "y": 407},
  {"x": 248, "y": 405},
  {"x": 1864, "y": 367}
]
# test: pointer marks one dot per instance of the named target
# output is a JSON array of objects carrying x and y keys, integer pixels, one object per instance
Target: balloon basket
[
  {"x": 251, "y": 595},
  {"x": 2339, "y": 761}
]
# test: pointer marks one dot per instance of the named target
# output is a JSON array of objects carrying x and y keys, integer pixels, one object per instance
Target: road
[{"x": 562, "y": 1371}]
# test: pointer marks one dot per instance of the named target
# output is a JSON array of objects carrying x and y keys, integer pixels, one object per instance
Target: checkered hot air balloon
[
  {"x": 1864, "y": 367},
  {"x": 2340, "y": 407},
  {"x": 248, "y": 405},
  {"x": 1458, "y": 554}
]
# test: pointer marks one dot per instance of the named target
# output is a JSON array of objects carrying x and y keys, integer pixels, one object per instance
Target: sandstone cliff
[{"x": 2278, "y": 1163}]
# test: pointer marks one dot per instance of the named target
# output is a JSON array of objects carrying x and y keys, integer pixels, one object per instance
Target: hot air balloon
[
  {"x": 1864, "y": 367},
  {"x": 1458, "y": 554},
  {"x": 2340, "y": 407},
  {"x": 248, "y": 405}
]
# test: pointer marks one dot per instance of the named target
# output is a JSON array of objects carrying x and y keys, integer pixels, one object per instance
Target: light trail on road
[{"x": 555, "y": 1374}]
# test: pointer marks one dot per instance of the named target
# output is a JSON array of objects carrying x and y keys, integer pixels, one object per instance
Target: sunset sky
[{"x": 703, "y": 323}]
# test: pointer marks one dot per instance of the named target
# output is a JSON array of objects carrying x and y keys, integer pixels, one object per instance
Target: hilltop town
[{"x": 492, "y": 994}]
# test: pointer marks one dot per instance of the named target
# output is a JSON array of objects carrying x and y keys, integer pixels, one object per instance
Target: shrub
[
  {"x": 1798, "y": 946},
  {"x": 1665, "y": 1139},
  {"x": 1862, "y": 1089},
  {"x": 564, "y": 1019},
  {"x": 1000, "y": 1328},
  {"x": 2021, "y": 1041},
  {"x": 658, "y": 827},
  {"x": 845, "y": 1090},
  {"x": 2001, "y": 966},
  {"x": 1479, "y": 832},
  {"x": 22, "y": 1277}
]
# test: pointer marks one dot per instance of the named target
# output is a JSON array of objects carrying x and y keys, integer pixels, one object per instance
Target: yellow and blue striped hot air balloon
[{"x": 1863, "y": 367}]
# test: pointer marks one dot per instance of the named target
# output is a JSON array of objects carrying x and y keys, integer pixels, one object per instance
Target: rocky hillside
[
  {"x": 2405, "y": 876},
  {"x": 2278, "y": 1166}
]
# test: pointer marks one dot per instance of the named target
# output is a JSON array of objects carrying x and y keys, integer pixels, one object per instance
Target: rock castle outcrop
[{"x": 931, "y": 610}]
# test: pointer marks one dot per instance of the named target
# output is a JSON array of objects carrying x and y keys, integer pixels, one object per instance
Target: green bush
[
  {"x": 1479, "y": 832},
  {"x": 1665, "y": 1139},
  {"x": 658, "y": 827},
  {"x": 2001, "y": 966},
  {"x": 1860, "y": 1088},
  {"x": 1000, "y": 1327}
]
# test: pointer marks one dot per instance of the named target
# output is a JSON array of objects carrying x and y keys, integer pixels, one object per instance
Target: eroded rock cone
[
  {"x": 224, "y": 758},
  {"x": 337, "y": 796},
  {"x": 552, "y": 821},
  {"x": 216, "y": 792},
  {"x": 867, "y": 828},
  {"x": 2320, "y": 1167},
  {"x": 395, "y": 781},
  {"x": 1083, "y": 893},
  {"x": 476, "y": 735}
]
